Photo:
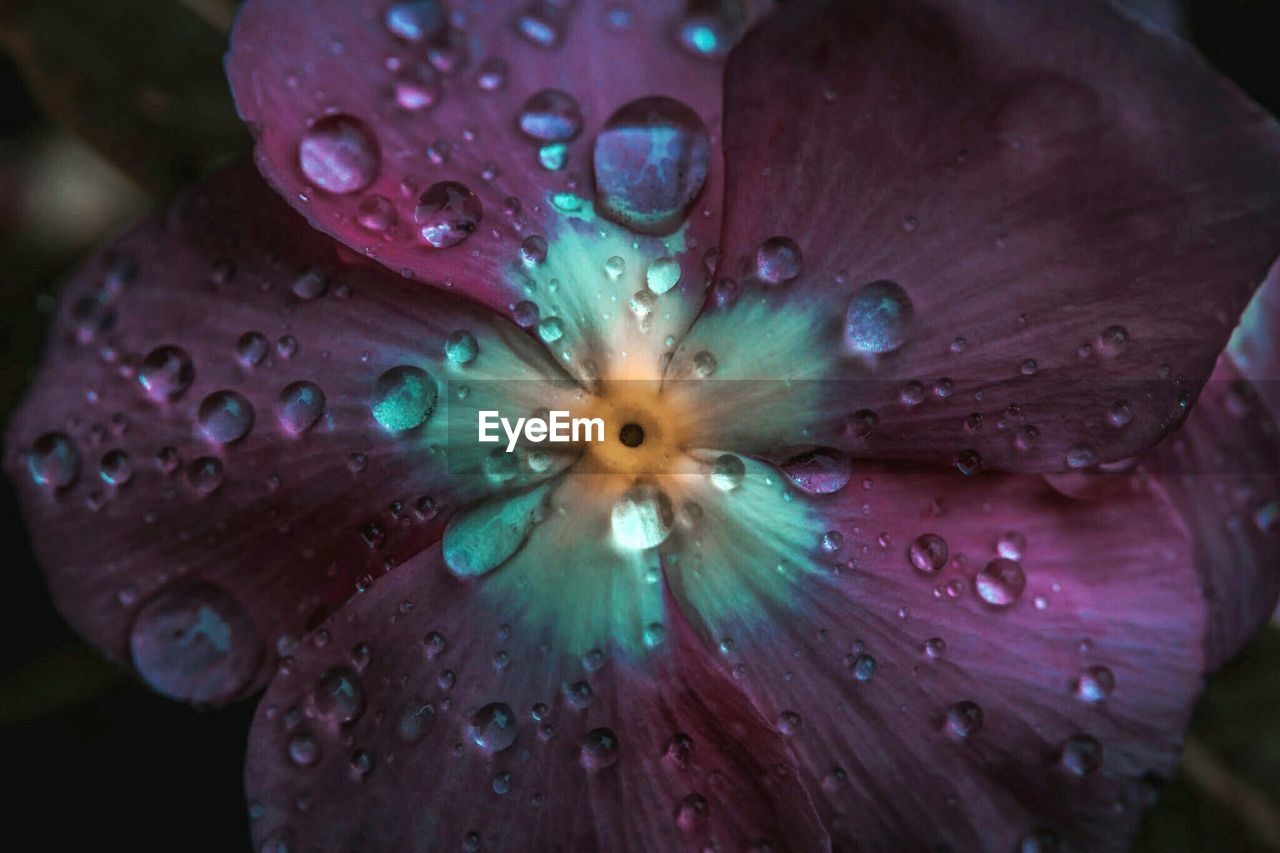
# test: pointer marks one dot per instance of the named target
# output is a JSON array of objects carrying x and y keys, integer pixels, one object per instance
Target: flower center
[{"x": 644, "y": 429}]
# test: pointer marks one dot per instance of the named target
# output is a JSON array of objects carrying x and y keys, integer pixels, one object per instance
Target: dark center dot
[{"x": 632, "y": 435}]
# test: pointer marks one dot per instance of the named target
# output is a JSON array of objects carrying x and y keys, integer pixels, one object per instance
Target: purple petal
[
  {"x": 1019, "y": 213},
  {"x": 498, "y": 740},
  {"x": 364, "y": 117},
  {"x": 963, "y": 663},
  {"x": 198, "y": 461}
]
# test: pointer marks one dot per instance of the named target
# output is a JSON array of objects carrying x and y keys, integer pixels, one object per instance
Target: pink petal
[
  {"x": 1076, "y": 210},
  {"x": 462, "y": 731},
  {"x": 197, "y": 459},
  {"x": 324, "y": 86},
  {"x": 1222, "y": 474},
  {"x": 959, "y": 690}
]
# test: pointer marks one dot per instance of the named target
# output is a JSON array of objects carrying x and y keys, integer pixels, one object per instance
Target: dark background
[{"x": 106, "y": 107}]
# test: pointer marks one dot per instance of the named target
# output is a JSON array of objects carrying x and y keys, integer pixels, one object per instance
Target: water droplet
[
  {"x": 166, "y": 373},
  {"x": 599, "y": 750},
  {"x": 310, "y": 284},
  {"x": 655, "y": 634},
  {"x": 526, "y": 314},
  {"x": 339, "y": 155},
  {"x": 337, "y": 696},
  {"x": 642, "y": 518},
  {"x": 205, "y": 474},
  {"x": 864, "y": 667},
  {"x": 929, "y": 553},
  {"x": 416, "y": 21},
  {"x": 116, "y": 468},
  {"x": 691, "y": 813},
  {"x": 1000, "y": 583},
  {"x": 1011, "y": 545},
  {"x": 969, "y": 462},
  {"x": 403, "y": 398},
  {"x": 416, "y": 722},
  {"x": 481, "y": 537},
  {"x": 823, "y": 471},
  {"x": 446, "y": 214},
  {"x": 728, "y": 472},
  {"x": 935, "y": 647},
  {"x": 54, "y": 461},
  {"x": 550, "y": 116},
  {"x": 493, "y": 727},
  {"x": 1120, "y": 413},
  {"x": 777, "y": 260},
  {"x": 304, "y": 749},
  {"x": 651, "y": 159},
  {"x": 551, "y": 329},
  {"x": 964, "y": 719},
  {"x": 789, "y": 722},
  {"x": 704, "y": 365},
  {"x": 533, "y": 249},
  {"x": 709, "y": 34},
  {"x": 461, "y": 347},
  {"x": 832, "y": 541},
  {"x": 492, "y": 73},
  {"x": 376, "y": 213},
  {"x": 615, "y": 267},
  {"x": 879, "y": 318},
  {"x": 1081, "y": 754},
  {"x": 643, "y": 303},
  {"x": 225, "y": 417},
  {"x": 195, "y": 643},
  {"x": 299, "y": 406},
  {"x": 542, "y": 23},
  {"x": 662, "y": 275},
  {"x": 1095, "y": 684},
  {"x": 1081, "y": 456},
  {"x": 418, "y": 88},
  {"x": 1040, "y": 840},
  {"x": 1112, "y": 341},
  {"x": 251, "y": 349}
]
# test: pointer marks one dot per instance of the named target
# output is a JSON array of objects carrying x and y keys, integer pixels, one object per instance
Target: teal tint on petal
[
  {"x": 403, "y": 398},
  {"x": 483, "y": 537}
]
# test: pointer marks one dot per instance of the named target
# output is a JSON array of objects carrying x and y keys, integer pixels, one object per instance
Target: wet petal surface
[
  {"x": 502, "y": 739},
  {"x": 1043, "y": 227},
  {"x": 236, "y": 428}
]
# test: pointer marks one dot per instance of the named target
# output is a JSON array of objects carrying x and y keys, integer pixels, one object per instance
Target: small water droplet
[
  {"x": 338, "y": 154},
  {"x": 299, "y": 406},
  {"x": 166, "y": 373},
  {"x": 493, "y": 727},
  {"x": 403, "y": 398},
  {"x": 777, "y": 260},
  {"x": 1095, "y": 684},
  {"x": 1081, "y": 754},
  {"x": 446, "y": 214},
  {"x": 964, "y": 719},
  {"x": 1000, "y": 583},
  {"x": 599, "y": 750},
  {"x": 929, "y": 553},
  {"x": 823, "y": 471},
  {"x": 728, "y": 472},
  {"x": 225, "y": 417},
  {"x": 550, "y": 115}
]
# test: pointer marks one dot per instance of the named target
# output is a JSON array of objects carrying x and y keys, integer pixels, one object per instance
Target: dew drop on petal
[
  {"x": 205, "y": 474},
  {"x": 1095, "y": 684},
  {"x": 929, "y": 553},
  {"x": 1011, "y": 545},
  {"x": 704, "y": 364},
  {"x": 823, "y": 471},
  {"x": 461, "y": 347},
  {"x": 195, "y": 643},
  {"x": 446, "y": 214},
  {"x": 879, "y": 318},
  {"x": 310, "y": 284},
  {"x": 1081, "y": 754},
  {"x": 777, "y": 260},
  {"x": 728, "y": 472},
  {"x": 416, "y": 20},
  {"x": 166, "y": 373},
  {"x": 115, "y": 468},
  {"x": 599, "y": 749},
  {"x": 251, "y": 349},
  {"x": 493, "y": 727},
  {"x": 642, "y": 518},
  {"x": 662, "y": 275},
  {"x": 403, "y": 398},
  {"x": 481, "y": 537},
  {"x": 650, "y": 161},
  {"x": 339, "y": 155},
  {"x": 53, "y": 461},
  {"x": 338, "y": 696},
  {"x": 415, "y": 722},
  {"x": 1000, "y": 583},
  {"x": 964, "y": 719},
  {"x": 304, "y": 749},
  {"x": 299, "y": 406},
  {"x": 376, "y": 213},
  {"x": 550, "y": 115},
  {"x": 225, "y": 417}
]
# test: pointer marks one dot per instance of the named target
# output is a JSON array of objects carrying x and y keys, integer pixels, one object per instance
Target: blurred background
[{"x": 106, "y": 108}]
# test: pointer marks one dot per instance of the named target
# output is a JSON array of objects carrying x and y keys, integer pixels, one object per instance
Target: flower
[{"x": 766, "y": 607}]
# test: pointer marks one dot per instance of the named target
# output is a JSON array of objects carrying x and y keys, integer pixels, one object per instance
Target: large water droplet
[
  {"x": 166, "y": 373},
  {"x": 819, "y": 472},
  {"x": 225, "y": 417},
  {"x": 1081, "y": 754},
  {"x": 482, "y": 537},
  {"x": 447, "y": 213},
  {"x": 599, "y": 749},
  {"x": 339, "y": 155},
  {"x": 651, "y": 159},
  {"x": 1000, "y": 583},
  {"x": 54, "y": 461},
  {"x": 403, "y": 398},
  {"x": 929, "y": 553},
  {"x": 728, "y": 472},
  {"x": 964, "y": 719},
  {"x": 662, "y": 275},
  {"x": 195, "y": 643},
  {"x": 337, "y": 696},
  {"x": 299, "y": 406},
  {"x": 550, "y": 116},
  {"x": 461, "y": 347},
  {"x": 416, "y": 21},
  {"x": 777, "y": 260},
  {"x": 493, "y": 727},
  {"x": 879, "y": 318},
  {"x": 642, "y": 518}
]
